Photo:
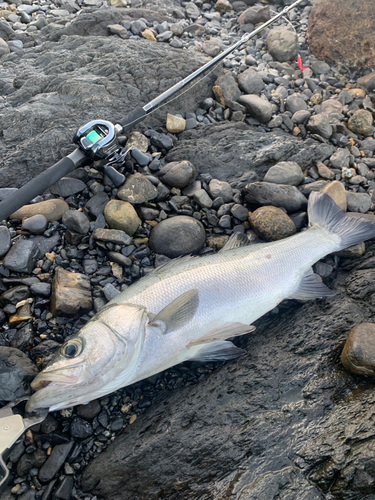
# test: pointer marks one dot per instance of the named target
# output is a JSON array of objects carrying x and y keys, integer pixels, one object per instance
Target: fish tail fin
[{"x": 324, "y": 213}]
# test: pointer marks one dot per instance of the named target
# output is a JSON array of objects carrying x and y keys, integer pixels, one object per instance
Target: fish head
[{"x": 98, "y": 360}]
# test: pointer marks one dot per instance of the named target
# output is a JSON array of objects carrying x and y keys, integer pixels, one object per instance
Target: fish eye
[{"x": 71, "y": 348}]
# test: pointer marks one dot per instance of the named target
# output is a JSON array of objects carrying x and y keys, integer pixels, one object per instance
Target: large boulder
[
  {"x": 342, "y": 32},
  {"x": 284, "y": 421}
]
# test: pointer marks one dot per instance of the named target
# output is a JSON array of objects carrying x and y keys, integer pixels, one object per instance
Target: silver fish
[{"x": 187, "y": 309}]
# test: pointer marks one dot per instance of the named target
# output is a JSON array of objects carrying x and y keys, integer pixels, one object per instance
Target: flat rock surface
[{"x": 272, "y": 424}]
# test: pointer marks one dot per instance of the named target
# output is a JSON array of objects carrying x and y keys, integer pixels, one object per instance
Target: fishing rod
[{"x": 98, "y": 139}]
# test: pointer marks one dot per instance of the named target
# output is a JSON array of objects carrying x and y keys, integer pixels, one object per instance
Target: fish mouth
[{"x": 57, "y": 377}]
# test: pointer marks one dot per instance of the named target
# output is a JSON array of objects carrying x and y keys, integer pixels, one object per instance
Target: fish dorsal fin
[
  {"x": 217, "y": 351},
  {"x": 179, "y": 312},
  {"x": 236, "y": 240},
  {"x": 311, "y": 287},
  {"x": 227, "y": 330}
]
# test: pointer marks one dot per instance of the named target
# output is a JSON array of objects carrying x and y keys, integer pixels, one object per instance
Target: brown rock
[
  {"x": 136, "y": 190},
  {"x": 272, "y": 223},
  {"x": 336, "y": 191},
  {"x": 324, "y": 171},
  {"x": 148, "y": 34},
  {"x": 175, "y": 124},
  {"x": 137, "y": 141},
  {"x": 217, "y": 241},
  {"x": 71, "y": 293},
  {"x": 223, "y": 6},
  {"x": 51, "y": 209},
  {"x": 358, "y": 355},
  {"x": 360, "y": 122},
  {"x": 342, "y": 32},
  {"x": 121, "y": 215}
]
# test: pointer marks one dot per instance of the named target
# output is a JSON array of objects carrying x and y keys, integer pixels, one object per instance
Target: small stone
[
  {"x": 358, "y": 202},
  {"x": 282, "y": 43},
  {"x": 285, "y": 172},
  {"x": 324, "y": 171},
  {"x": 71, "y": 293},
  {"x": 138, "y": 141},
  {"x": 202, "y": 198},
  {"x": 358, "y": 355},
  {"x": 211, "y": 47},
  {"x": 67, "y": 186},
  {"x": 97, "y": 204},
  {"x": 36, "y": 224},
  {"x": 340, "y": 158},
  {"x": 22, "y": 256},
  {"x": 117, "y": 29},
  {"x": 149, "y": 35},
  {"x": 239, "y": 212},
  {"x": 360, "y": 122},
  {"x": 254, "y": 15},
  {"x": 332, "y": 106},
  {"x": 89, "y": 411},
  {"x": 353, "y": 251},
  {"x": 272, "y": 223},
  {"x": 136, "y": 190},
  {"x": 51, "y": 209},
  {"x": 177, "y": 174},
  {"x": 121, "y": 215},
  {"x": 175, "y": 124},
  {"x": 301, "y": 116},
  {"x": 223, "y": 6},
  {"x": 217, "y": 241},
  {"x": 80, "y": 428},
  {"x": 259, "y": 108},
  {"x": 54, "y": 462},
  {"x": 76, "y": 221},
  {"x": 367, "y": 82},
  {"x": 64, "y": 490},
  {"x": 16, "y": 373},
  {"x": 4, "y": 240},
  {"x": 226, "y": 88},
  {"x": 295, "y": 103},
  {"x": 267, "y": 193},
  {"x": 319, "y": 124},
  {"x": 250, "y": 82},
  {"x": 324, "y": 270},
  {"x": 110, "y": 292},
  {"x": 180, "y": 235},
  {"x": 41, "y": 289},
  {"x": 117, "y": 236},
  {"x": 220, "y": 189}
]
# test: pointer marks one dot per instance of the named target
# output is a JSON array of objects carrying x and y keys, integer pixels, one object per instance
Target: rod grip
[{"x": 136, "y": 116}]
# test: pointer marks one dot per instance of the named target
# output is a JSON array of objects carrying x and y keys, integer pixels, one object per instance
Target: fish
[{"x": 188, "y": 308}]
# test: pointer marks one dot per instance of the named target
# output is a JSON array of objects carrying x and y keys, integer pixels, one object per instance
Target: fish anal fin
[
  {"x": 221, "y": 350},
  {"x": 311, "y": 287},
  {"x": 236, "y": 240},
  {"x": 227, "y": 330},
  {"x": 179, "y": 312}
]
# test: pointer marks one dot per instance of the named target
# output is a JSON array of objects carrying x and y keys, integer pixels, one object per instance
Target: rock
[
  {"x": 254, "y": 15},
  {"x": 51, "y": 209},
  {"x": 76, "y": 221},
  {"x": 228, "y": 87},
  {"x": 148, "y": 34},
  {"x": 36, "y": 224},
  {"x": 301, "y": 116},
  {"x": 141, "y": 158},
  {"x": 354, "y": 32},
  {"x": 319, "y": 124},
  {"x": 220, "y": 189},
  {"x": 15, "y": 295},
  {"x": 266, "y": 193},
  {"x": 285, "y": 172},
  {"x": 282, "y": 44},
  {"x": 324, "y": 171},
  {"x": 54, "y": 462},
  {"x": 332, "y": 106},
  {"x": 353, "y": 251},
  {"x": 116, "y": 236},
  {"x": 175, "y": 124},
  {"x": 16, "y": 373},
  {"x": 360, "y": 122},
  {"x": 89, "y": 411},
  {"x": 340, "y": 158},
  {"x": 211, "y": 47},
  {"x": 137, "y": 141},
  {"x": 97, "y": 203},
  {"x": 41, "y": 289},
  {"x": 238, "y": 153},
  {"x": 64, "y": 490},
  {"x": 223, "y": 6},
  {"x": 307, "y": 189},
  {"x": 121, "y": 215},
  {"x": 4, "y": 48},
  {"x": 137, "y": 189},
  {"x": 250, "y": 82},
  {"x": 67, "y": 186},
  {"x": 295, "y": 103},
  {"x": 202, "y": 198},
  {"x": 336, "y": 190},
  {"x": 4, "y": 240},
  {"x": 110, "y": 292},
  {"x": 358, "y": 202},
  {"x": 71, "y": 293},
  {"x": 177, "y": 174},
  {"x": 80, "y": 429},
  {"x": 22, "y": 256},
  {"x": 272, "y": 223},
  {"x": 259, "y": 108},
  {"x": 180, "y": 235},
  {"x": 358, "y": 355},
  {"x": 239, "y": 212},
  {"x": 367, "y": 81}
]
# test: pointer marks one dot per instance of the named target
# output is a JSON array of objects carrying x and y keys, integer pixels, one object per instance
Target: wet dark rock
[
  {"x": 266, "y": 193},
  {"x": 53, "y": 463},
  {"x": 71, "y": 293},
  {"x": 15, "y": 294},
  {"x": 22, "y": 256},
  {"x": 285, "y": 172},
  {"x": 137, "y": 189},
  {"x": 41, "y": 289},
  {"x": 89, "y": 411},
  {"x": 272, "y": 223},
  {"x": 49, "y": 425},
  {"x": 46, "y": 244},
  {"x": 16, "y": 373},
  {"x": 177, "y": 236},
  {"x": 231, "y": 150},
  {"x": 36, "y": 224},
  {"x": 90, "y": 266},
  {"x": 282, "y": 43},
  {"x": 64, "y": 490},
  {"x": 97, "y": 203},
  {"x": 358, "y": 202},
  {"x": 23, "y": 337},
  {"x": 177, "y": 174},
  {"x": 4, "y": 240},
  {"x": 67, "y": 186},
  {"x": 80, "y": 428},
  {"x": 76, "y": 221}
]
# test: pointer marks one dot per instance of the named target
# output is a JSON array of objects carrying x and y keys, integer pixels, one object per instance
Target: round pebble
[
  {"x": 36, "y": 224},
  {"x": 121, "y": 215},
  {"x": 360, "y": 122},
  {"x": 358, "y": 355},
  {"x": 177, "y": 174},
  {"x": 272, "y": 223}
]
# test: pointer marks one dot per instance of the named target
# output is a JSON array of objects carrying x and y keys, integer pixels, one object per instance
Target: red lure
[{"x": 299, "y": 62}]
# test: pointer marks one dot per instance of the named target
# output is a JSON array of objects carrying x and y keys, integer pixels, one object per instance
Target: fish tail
[{"x": 324, "y": 213}]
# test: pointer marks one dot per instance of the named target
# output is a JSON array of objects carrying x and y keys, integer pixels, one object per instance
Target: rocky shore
[{"x": 239, "y": 152}]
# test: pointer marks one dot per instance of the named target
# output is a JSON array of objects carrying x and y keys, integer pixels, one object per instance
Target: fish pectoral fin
[
  {"x": 311, "y": 287},
  {"x": 220, "y": 350},
  {"x": 227, "y": 330},
  {"x": 179, "y": 312}
]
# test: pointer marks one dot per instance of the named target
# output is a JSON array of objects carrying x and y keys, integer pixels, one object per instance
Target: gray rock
[
  {"x": 331, "y": 106},
  {"x": 22, "y": 256},
  {"x": 282, "y": 43},
  {"x": 202, "y": 198},
  {"x": 46, "y": 244},
  {"x": 220, "y": 189},
  {"x": 285, "y": 172},
  {"x": 97, "y": 203},
  {"x": 41, "y": 289},
  {"x": 301, "y": 116},
  {"x": 137, "y": 189},
  {"x": 254, "y": 15},
  {"x": 319, "y": 124},
  {"x": 239, "y": 212},
  {"x": 54, "y": 462},
  {"x": 180, "y": 235},
  {"x": 358, "y": 202},
  {"x": 177, "y": 174},
  {"x": 259, "y": 108},
  {"x": 266, "y": 193},
  {"x": 306, "y": 189},
  {"x": 36, "y": 224},
  {"x": 16, "y": 373},
  {"x": 4, "y": 240},
  {"x": 67, "y": 186},
  {"x": 15, "y": 294},
  {"x": 110, "y": 291},
  {"x": 250, "y": 82},
  {"x": 76, "y": 221},
  {"x": 340, "y": 158},
  {"x": 80, "y": 428},
  {"x": 228, "y": 86},
  {"x": 295, "y": 103},
  {"x": 112, "y": 236},
  {"x": 64, "y": 490},
  {"x": 90, "y": 266}
]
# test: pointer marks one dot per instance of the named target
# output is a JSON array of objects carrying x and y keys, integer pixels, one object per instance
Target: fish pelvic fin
[
  {"x": 324, "y": 213},
  {"x": 221, "y": 350},
  {"x": 311, "y": 287}
]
